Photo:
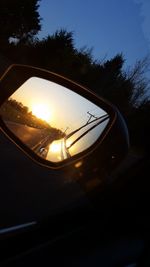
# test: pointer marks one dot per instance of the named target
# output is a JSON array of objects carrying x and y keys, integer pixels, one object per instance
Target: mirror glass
[{"x": 53, "y": 121}]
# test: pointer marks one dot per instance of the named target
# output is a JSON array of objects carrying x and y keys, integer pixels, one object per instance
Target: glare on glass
[{"x": 53, "y": 121}]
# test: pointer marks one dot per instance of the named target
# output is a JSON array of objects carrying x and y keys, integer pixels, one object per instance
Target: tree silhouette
[
  {"x": 137, "y": 76},
  {"x": 19, "y": 19}
]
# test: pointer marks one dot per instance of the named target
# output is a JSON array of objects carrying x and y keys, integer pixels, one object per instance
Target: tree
[
  {"x": 19, "y": 19},
  {"x": 140, "y": 83}
]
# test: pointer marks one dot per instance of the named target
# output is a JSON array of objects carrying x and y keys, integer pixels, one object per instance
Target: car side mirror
[{"x": 53, "y": 120}]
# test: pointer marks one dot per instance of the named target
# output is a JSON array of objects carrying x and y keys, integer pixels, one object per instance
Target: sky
[{"x": 108, "y": 27}]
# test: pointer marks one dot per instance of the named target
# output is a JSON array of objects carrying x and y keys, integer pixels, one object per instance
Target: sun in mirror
[
  {"x": 53, "y": 121},
  {"x": 41, "y": 111}
]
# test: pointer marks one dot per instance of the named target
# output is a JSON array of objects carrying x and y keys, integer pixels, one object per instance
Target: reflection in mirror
[{"x": 53, "y": 121}]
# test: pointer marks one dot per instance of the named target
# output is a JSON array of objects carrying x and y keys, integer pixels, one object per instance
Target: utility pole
[{"x": 91, "y": 116}]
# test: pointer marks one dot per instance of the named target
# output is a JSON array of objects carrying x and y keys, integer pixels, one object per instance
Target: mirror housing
[{"x": 18, "y": 75}]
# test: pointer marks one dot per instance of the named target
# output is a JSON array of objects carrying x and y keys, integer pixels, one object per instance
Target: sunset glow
[{"x": 42, "y": 111}]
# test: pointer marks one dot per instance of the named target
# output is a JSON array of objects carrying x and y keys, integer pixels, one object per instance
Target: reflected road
[{"x": 37, "y": 139}]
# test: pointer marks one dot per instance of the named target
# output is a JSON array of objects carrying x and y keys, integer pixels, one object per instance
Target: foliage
[
  {"x": 19, "y": 19},
  {"x": 137, "y": 76}
]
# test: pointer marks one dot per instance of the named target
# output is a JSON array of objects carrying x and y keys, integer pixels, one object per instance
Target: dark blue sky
[{"x": 107, "y": 26}]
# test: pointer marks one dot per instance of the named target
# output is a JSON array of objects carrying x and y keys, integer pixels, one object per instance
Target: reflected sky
[{"x": 63, "y": 108}]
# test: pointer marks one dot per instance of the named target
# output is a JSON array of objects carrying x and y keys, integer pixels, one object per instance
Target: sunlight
[
  {"x": 55, "y": 147},
  {"x": 42, "y": 111},
  {"x": 68, "y": 143},
  {"x": 55, "y": 151}
]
